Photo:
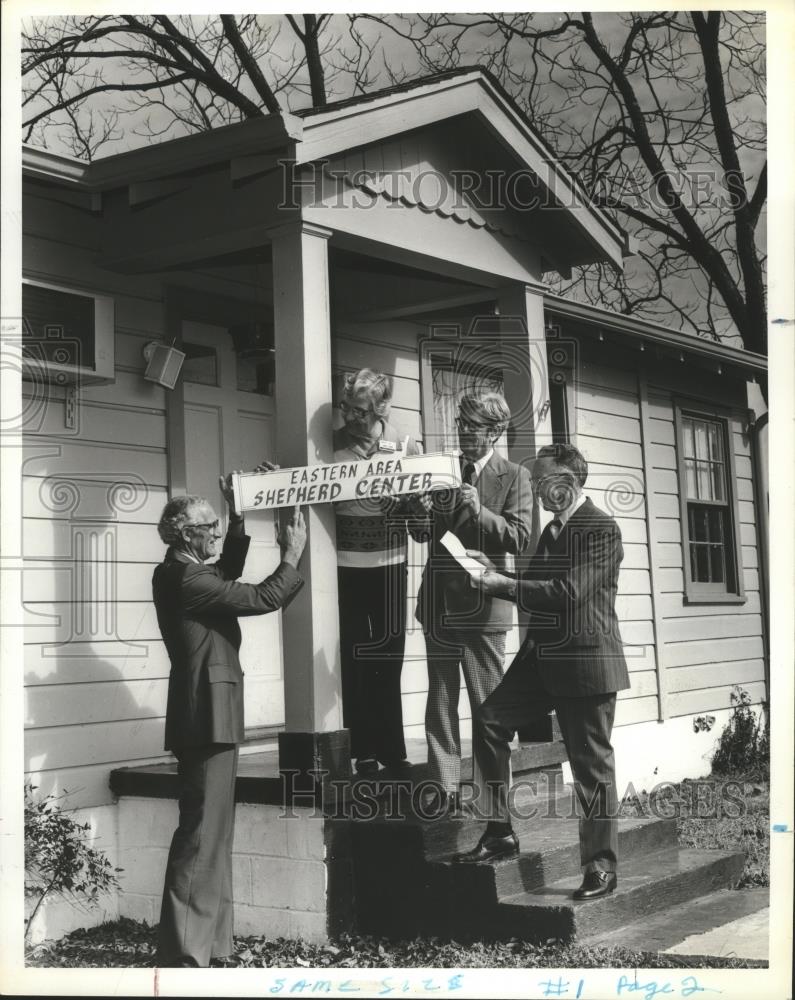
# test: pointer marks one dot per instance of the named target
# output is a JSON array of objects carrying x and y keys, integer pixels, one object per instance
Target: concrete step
[
  {"x": 648, "y": 883},
  {"x": 546, "y": 823},
  {"x": 716, "y": 923},
  {"x": 405, "y": 872}
]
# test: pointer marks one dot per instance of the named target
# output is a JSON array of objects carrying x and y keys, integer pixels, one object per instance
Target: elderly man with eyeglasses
[
  {"x": 464, "y": 629},
  {"x": 198, "y": 605}
]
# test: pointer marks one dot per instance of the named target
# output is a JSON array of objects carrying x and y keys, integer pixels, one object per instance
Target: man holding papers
[
  {"x": 572, "y": 660},
  {"x": 465, "y": 630}
]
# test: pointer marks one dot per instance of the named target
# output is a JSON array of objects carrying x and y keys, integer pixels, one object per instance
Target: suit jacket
[
  {"x": 573, "y": 636},
  {"x": 197, "y": 610},
  {"x": 445, "y": 596}
]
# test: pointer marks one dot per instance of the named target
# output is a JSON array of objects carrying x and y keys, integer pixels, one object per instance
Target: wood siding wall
[
  {"x": 606, "y": 427},
  {"x": 701, "y": 650},
  {"x": 95, "y": 668}
]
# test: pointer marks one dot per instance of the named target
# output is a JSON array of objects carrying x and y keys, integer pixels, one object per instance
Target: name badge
[{"x": 389, "y": 446}]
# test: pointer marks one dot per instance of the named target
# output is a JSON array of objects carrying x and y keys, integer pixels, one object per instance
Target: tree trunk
[{"x": 317, "y": 81}]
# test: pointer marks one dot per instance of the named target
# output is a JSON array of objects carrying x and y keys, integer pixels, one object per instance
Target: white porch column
[
  {"x": 526, "y": 380},
  {"x": 526, "y": 373},
  {"x": 312, "y": 694}
]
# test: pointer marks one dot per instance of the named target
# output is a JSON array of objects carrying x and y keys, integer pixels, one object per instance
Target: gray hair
[
  {"x": 488, "y": 408},
  {"x": 176, "y": 514},
  {"x": 377, "y": 385}
]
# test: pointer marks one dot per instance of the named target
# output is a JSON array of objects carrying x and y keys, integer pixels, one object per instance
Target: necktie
[
  {"x": 467, "y": 473},
  {"x": 549, "y": 536}
]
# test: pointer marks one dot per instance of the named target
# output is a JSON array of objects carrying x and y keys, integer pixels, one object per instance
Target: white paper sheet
[{"x": 453, "y": 545}]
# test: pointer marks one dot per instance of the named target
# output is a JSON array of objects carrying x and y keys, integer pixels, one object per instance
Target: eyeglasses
[
  {"x": 468, "y": 425},
  {"x": 214, "y": 525},
  {"x": 357, "y": 411}
]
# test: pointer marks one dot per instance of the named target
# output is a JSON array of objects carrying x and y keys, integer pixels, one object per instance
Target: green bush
[
  {"x": 744, "y": 745},
  {"x": 59, "y": 860}
]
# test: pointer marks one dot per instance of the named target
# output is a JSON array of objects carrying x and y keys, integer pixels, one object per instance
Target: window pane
[
  {"x": 257, "y": 374},
  {"x": 200, "y": 364},
  {"x": 704, "y": 483},
  {"x": 718, "y": 479},
  {"x": 715, "y": 443},
  {"x": 691, "y": 489},
  {"x": 702, "y": 448},
  {"x": 58, "y": 327},
  {"x": 687, "y": 436},
  {"x": 717, "y": 559},
  {"x": 699, "y": 563},
  {"x": 698, "y": 524}
]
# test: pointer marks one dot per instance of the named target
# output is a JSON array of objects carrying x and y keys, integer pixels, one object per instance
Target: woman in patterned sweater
[{"x": 372, "y": 573}]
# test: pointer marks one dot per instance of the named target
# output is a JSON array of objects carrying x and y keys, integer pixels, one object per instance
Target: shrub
[
  {"x": 59, "y": 860},
  {"x": 743, "y": 747}
]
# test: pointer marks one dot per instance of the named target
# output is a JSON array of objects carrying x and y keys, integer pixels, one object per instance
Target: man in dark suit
[
  {"x": 197, "y": 610},
  {"x": 572, "y": 660},
  {"x": 492, "y": 512}
]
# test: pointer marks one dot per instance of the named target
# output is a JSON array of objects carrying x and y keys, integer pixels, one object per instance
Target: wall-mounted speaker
[{"x": 163, "y": 364}]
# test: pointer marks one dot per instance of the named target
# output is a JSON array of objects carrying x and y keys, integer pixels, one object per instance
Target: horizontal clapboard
[
  {"x": 107, "y": 701},
  {"x": 90, "y": 661},
  {"x": 717, "y": 675},
  {"x": 711, "y": 699},
  {"x": 88, "y": 495}
]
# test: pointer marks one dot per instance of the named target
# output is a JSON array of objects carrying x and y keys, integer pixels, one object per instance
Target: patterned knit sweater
[{"x": 370, "y": 532}]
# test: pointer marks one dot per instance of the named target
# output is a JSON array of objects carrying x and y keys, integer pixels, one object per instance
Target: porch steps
[
  {"x": 406, "y": 882},
  {"x": 720, "y": 917},
  {"x": 647, "y": 883}
]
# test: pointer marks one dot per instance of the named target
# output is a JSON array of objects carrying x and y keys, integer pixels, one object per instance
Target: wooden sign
[{"x": 383, "y": 475}]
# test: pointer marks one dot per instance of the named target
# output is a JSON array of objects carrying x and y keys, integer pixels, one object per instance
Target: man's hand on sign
[
  {"x": 470, "y": 499},
  {"x": 225, "y": 484},
  {"x": 266, "y": 466},
  {"x": 292, "y": 537}
]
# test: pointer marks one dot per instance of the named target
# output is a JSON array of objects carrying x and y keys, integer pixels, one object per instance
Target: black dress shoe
[
  {"x": 366, "y": 765},
  {"x": 490, "y": 848},
  {"x": 596, "y": 884}
]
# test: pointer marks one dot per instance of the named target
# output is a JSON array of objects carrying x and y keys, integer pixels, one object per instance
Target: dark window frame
[{"x": 698, "y": 592}]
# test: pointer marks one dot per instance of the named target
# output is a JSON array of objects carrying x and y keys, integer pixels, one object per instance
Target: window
[
  {"x": 559, "y": 407},
  {"x": 561, "y": 364},
  {"x": 200, "y": 365},
  {"x": 450, "y": 379},
  {"x": 710, "y": 540},
  {"x": 67, "y": 335}
]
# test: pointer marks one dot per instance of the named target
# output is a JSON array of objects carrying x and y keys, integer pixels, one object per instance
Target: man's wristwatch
[{"x": 511, "y": 595}]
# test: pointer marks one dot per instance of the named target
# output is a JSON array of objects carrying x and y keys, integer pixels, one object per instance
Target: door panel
[{"x": 227, "y": 429}]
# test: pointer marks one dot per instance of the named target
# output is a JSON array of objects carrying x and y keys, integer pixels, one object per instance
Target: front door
[{"x": 229, "y": 425}]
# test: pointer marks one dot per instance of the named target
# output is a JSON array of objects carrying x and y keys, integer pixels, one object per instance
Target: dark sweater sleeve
[{"x": 204, "y": 590}]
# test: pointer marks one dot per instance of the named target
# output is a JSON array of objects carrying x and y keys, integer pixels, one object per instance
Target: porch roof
[
  {"x": 639, "y": 333},
  {"x": 316, "y": 134}
]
